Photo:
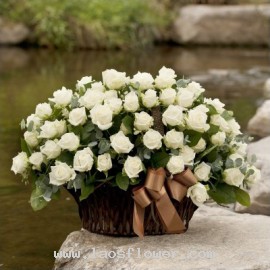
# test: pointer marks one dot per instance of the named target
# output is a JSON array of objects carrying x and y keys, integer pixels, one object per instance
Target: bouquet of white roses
[{"x": 104, "y": 133}]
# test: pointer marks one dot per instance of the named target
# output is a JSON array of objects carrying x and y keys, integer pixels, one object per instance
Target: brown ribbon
[{"x": 155, "y": 192}]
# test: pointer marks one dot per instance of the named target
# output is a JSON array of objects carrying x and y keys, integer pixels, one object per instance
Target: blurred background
[{"x": 223, "y": 44}]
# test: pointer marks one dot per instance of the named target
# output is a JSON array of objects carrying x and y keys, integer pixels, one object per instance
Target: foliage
[{"x": 118, "y": 24}]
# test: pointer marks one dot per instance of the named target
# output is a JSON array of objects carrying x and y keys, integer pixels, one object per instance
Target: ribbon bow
[{"x": 154, "y": 191}]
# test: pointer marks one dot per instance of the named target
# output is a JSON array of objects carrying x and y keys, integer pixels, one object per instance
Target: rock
[
  {"x": 267, "y": 88},
  {"x": 217, "y": 239},
  {"x": 259, "y": 124},
  {"x": 260, "y": 192},
  {"x": 12, "y": 33},
  {"x": 224, "y": 25}
]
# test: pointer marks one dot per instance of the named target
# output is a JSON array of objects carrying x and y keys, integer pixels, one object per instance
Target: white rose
[
  {"x": 51, "y": 149},
  {"x": 43, "y": 110},
  {"x": 83, "y": 160},
  {"x": 83, "y": 81},
  {"x": 144, "y": 79},
  {"x": 31, "y": 138},
  {"x": 133, "y": 166},
  {"x": 219, "y": 121},
  {"x": 167, "y": 96},
  {"x": 166, "y": 78},
  {"x": 104, "y": 162},
  {"x": 218, "y": 138},
  {"x": 188, "y": 155},
  {"x": 234, "y": 127},
  {"x": 131, "y": 102},
  {"x": 110, "y": 94},
  {"x": 174, "y": 139},
  {"x": 233, "y": 176},
  {"x": 98, "y": 86},
  {"x": 196, "y": 119},
  {"x": 36, "y": 160},
  {"x": 48, "y": 130},
  {"x": 149, "y": 98},
  {"x": 35, "y": 119},
  {"x": 254, "y": 175},
  {"x": 91, "y": 98},
  {"x": 114, "y": 79},
  {"x": 195, "y": 88},
  {"x": 62, "y": 97},
  {"x": 198, "y": 194},
  {"x": 60, "y": 126},
  {"x": 173, "y": 116},
  {"x": 202, "y": 171},
  {"x": 69, "y": 141},
  {"x": 200, "y": 146},
  {"x": 175, "y": 164},
  {"x": 115, "y": 104},
  {"x": 143, "y": 121},
  {"x": 77, "y": 116},
  {"x": 101, "y": 116},
  {"x": 61, "y": 173},
  {"x": 120, "y": 143},
  {"x": 152, "y": 139},
  {"x": 216, "y": 103},
  {"x": 185, "y": 98},
  {"x": 20, "y": 163}
]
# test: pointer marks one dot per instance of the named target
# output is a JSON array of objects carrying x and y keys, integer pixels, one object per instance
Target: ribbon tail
[
  {"x": 169, "y": 216},
  {"x": 138, "y": 220}
]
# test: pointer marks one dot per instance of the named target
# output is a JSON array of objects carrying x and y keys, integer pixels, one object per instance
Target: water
[{"x": 27, "y": 77}]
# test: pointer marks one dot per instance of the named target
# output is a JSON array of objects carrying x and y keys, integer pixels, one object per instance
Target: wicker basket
[{"x": 109, "y": 210}]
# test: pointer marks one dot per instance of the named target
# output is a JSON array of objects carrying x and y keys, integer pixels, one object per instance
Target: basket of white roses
[{"x": 139, "y": 154}]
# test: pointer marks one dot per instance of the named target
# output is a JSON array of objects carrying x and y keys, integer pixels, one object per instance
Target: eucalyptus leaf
[
  {"x": 36, "y": 200},
  {"x": 30, "y": 126}
]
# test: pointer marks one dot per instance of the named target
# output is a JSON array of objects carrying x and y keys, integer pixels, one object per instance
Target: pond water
[{"x": 27, "y": 77}]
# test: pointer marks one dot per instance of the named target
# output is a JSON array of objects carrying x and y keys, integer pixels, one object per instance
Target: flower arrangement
[{"x": 108, "y": 133}]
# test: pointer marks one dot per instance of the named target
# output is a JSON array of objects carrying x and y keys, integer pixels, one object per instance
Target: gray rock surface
[
  {"x": 259, "y": 124},
  {"x": 225, "y": 25},
  {"x": 260, "y": 192},
  {"x": 217, "y": 239},
  {"x": 12, "y": 33}
]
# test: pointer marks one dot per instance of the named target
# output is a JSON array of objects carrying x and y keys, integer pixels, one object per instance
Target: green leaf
[
  {"x": 193, "y": 137},
  {"x": 25, "y": 148},
  {"x": 122, "y": 181},
  {"x": 223, "y": 194},
  {"x": 242, "y": 196},
  {"x": 66, "y": 157},
  {"x": 213, "y": 129},
  {"x": 56, "y": 195},
  {"x": 160, "y": 159},
  {"x": 128, "y": 123},
  {"x": 207, "y": 151},
  {"x": 36, "y": 200},
  {"x": 212, "y": 109},
  {"x": 74, "y": 102},
  {"x": 86, "y": 190}
]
